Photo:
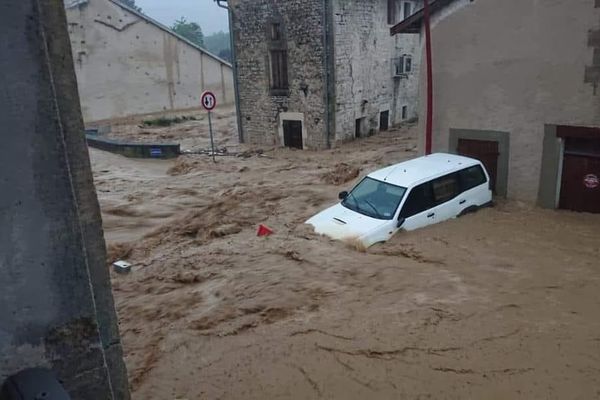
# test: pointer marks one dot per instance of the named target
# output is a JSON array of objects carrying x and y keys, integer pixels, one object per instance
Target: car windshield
[{"x": 375, "y": 199}]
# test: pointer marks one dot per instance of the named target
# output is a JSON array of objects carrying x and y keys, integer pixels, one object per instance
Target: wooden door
[
  {"x": 485, "y": 151},
  {"x": 292, "y": 134},
  {"x": 580, "y": 184}
]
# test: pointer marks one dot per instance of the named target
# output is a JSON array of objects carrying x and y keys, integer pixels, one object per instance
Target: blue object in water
[{"x": 154, "y": 152}]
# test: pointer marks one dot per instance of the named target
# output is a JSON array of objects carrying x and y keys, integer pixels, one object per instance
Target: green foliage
[
  {"x": 131, "y": 3},
  {"x": 225, "y": 54},
  {"x": 219, "y": 43},
  {"x": 189, "y": 30}
]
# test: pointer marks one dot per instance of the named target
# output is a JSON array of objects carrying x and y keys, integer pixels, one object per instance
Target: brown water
[{"x": 500, "y": 304}]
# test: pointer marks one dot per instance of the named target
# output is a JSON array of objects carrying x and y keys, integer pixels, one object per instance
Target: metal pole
[
  {"x": 212, "y": 141},
  {"x": 236, "y": 83},
  {"x": 429, "y": 126}
]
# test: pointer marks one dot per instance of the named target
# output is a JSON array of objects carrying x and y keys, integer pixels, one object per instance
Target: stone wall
[
  {"x": 302, "y": 23},
  {"x": 364, "y": 70},
  {"x": 127, "y": 64},
  {"x": 514, "y": 66}
]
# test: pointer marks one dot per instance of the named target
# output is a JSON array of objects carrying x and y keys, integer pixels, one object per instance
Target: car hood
[{"x": 340, "y": 223}]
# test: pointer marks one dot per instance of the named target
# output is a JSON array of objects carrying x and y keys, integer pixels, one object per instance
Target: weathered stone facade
[
  {"x": 365, "y": 56},
  {"x": 340, "y": 65},
  {"x": 262, "y": 112}
]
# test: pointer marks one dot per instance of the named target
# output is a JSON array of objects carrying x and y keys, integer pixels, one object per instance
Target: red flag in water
[{"x": 263, "y": 231}]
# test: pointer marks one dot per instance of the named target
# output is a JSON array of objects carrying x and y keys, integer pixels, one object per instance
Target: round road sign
[
  {"x": 209, "y": 101},
  {"x": 591, "y": 181}
]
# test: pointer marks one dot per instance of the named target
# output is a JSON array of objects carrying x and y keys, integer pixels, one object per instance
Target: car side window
[
  {"x": 445, "y": 188},
  {"x": 471, "y": 177},
  {"x": 420, "y": 199}
]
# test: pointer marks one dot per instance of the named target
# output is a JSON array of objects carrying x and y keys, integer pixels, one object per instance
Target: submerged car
[{"x": 406, "y": 196}]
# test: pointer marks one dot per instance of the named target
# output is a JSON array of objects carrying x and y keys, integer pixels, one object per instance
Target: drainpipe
[
  {"x": 328, "y": 73},
  {"x": 235, "y": 70},
  {"x": 429, "y": 126}
]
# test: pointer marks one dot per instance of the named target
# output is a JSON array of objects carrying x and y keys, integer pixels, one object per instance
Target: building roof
[
  {"x": 413, "y": 23},
  {"x": 415, "y": 171},
  {"x": 75, "y": 3}
]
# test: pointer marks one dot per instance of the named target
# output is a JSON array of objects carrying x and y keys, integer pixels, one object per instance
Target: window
[
  {"x": 402, "y": 65},
  {"x": 404, "y": 112},
  {"x": 278, "y": 59},
  {"x": 407, "y": 9},
  {"x": 407, "y": 64},
  {"x": 375, "y": 199},
  {"x": 419, "y": 200},
  {"x": 471, "y": 177},
  {"x": 391, "y": 12},
  {"x": 445, "y": 188},
  {"x": 279, "y": 70},
  {"x": 276, "y": 31}
]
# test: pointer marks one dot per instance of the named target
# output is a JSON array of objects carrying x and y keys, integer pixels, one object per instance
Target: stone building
[
  {"x": 516, "y": 84},
  {"x": 315, "y": 72},
  {"x": 128, "y": 64}
]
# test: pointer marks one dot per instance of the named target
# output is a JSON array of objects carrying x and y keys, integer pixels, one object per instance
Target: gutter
[{"x": 235, "y": 70}]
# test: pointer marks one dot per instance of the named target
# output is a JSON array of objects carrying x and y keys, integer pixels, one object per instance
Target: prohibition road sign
[
  {"x": 591, "y": 181},
  {"x": 209, "y": 101}
]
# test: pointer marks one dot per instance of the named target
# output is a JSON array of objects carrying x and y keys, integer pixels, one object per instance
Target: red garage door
[{"x": 580, "y": 186}]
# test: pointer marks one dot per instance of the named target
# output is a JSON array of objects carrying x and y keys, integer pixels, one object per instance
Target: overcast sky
[{"x": 205, "y": 12}]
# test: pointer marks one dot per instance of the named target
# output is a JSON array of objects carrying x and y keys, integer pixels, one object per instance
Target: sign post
[{"x": 209, "y": 102}]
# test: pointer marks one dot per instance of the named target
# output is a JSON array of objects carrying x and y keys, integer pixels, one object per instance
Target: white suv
[{"x": 406, "y": 196}]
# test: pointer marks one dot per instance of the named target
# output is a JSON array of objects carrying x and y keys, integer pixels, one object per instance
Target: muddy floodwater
[{"x": 501, "y": 304}]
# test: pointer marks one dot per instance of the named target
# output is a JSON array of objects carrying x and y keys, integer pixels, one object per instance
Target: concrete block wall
[
  {"x": 364, "y": 50},
  {"x": 303, "y": 27},
  {"x": 127, "y": 65}
]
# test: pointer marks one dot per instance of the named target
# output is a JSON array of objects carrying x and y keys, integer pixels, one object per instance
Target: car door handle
[
  {"x": 463, "y": 201},
  {"x": 431, "y": 215}
]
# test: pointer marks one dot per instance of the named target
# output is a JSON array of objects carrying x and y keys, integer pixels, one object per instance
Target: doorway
[
  {"x": 485, "y": 151},
  {"x": 359, "y": 128},
  {"x": 384, "y": 121},
  {"x": 292, "y": 134}
]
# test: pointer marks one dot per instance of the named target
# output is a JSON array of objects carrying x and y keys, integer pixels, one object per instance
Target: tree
[
  {"x": 189, "y": 30},
  {"x": 219, "y": 43},
  {"x": 131, "y": 3},
  {"x": 225, "y": 54}
]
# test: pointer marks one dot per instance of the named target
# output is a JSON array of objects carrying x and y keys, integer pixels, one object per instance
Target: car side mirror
[
  {"x": 343, "y": 195},
  {"x": 401, "y": 222}
]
